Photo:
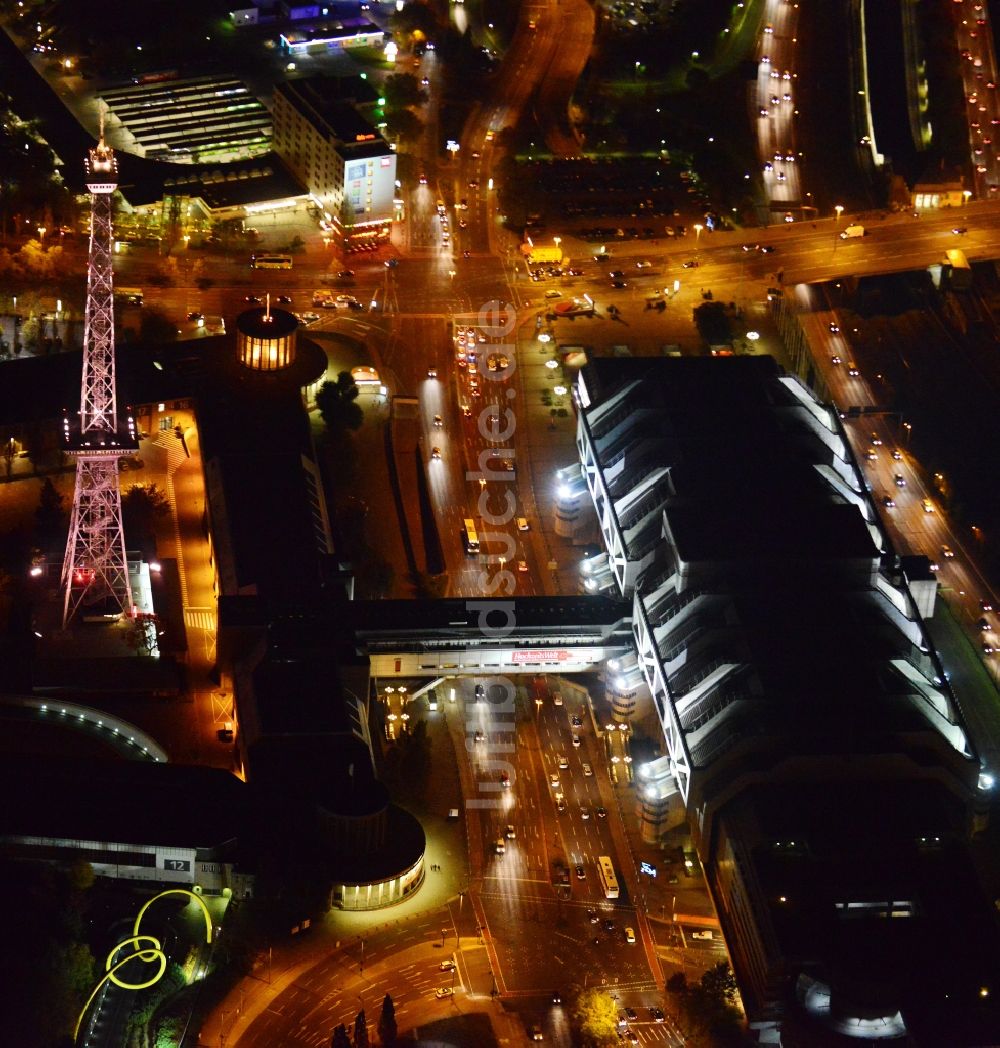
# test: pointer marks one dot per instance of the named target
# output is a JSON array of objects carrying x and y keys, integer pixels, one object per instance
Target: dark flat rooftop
[{"x": 128, "y": 802}]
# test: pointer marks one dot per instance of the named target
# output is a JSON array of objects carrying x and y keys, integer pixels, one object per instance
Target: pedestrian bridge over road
[{"x": 458, "y": 637}]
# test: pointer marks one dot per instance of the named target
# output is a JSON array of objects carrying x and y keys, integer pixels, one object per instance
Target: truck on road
[{"x": 852, "y": 231}]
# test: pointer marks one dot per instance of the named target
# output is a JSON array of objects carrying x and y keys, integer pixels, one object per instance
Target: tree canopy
[
  {"x": 337, "y": 403},
  {"x": 596, "y": 1017}
]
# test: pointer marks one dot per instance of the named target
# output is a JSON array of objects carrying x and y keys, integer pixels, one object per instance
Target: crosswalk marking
[{"x": 200, "y": 619}]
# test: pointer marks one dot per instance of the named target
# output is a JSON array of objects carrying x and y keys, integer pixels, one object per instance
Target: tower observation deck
[{"x": 95, "y": 571}]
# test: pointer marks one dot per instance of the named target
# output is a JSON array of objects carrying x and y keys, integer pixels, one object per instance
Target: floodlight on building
[
  {"x": 986, "y": 780},
  {"x": 564, "y": 491},
  {"x": 390, "y": 51},
  {"x": 546, "y": 337}
]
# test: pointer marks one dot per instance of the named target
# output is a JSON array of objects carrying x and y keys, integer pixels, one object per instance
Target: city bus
[
  {"x": 270, "y": 261},
  {"x": 470, "y": 538},
  {"x": 606, "y": 873},
  {"x": 130, "y": 295}
]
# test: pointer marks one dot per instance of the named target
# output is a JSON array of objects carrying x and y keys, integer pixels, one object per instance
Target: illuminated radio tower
[{"x": 95, "y": 570}]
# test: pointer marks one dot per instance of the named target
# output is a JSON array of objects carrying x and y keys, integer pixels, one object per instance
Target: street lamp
[
  {"x": 698, "y": 227},
  {"x": 966, "y": 193},
  {"x": 552, "y": 364},
  {"x": 839, "y": 208},
  {"x": 907, "y": 427}
]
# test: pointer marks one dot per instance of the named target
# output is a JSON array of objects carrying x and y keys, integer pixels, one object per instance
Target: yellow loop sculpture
[{"x": 150, "y": 954}]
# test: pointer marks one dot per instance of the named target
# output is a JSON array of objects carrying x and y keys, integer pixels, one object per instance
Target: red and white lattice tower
[{"x": 95, "y": 571}]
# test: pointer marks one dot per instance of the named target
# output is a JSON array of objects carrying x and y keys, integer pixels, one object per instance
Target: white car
[
  {"x": 587, "y": 770},
  {"x": 447, "y": 966},
  {"x": 445, "y": 991},
  {"x": 563, "y": 762},
  {"x": 576, "y": 742}
]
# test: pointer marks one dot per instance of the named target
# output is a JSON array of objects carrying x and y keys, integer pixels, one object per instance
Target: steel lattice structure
[{"x": 95, "y": 569}]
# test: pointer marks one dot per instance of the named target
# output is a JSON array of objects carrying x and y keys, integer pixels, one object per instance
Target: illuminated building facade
[{"x": 345, "y": 164}]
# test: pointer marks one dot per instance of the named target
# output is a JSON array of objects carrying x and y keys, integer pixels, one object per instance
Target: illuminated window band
[{"x": 152, "y": 954}]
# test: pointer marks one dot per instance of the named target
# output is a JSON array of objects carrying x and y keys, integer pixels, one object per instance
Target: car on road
[
  {"x": 253, "y": 299},
  {"x": 432, "y": 372},
  {"x": 435, "y": 453},
  {"x": 522, "y": 565},
  {"x": 631, "y": 1036},
  {"x": 643, "y": 264},
  {"x": 834, "y": 328},
  {"x": 899, "y": 480},
  {"x": 585, "y": 814},
  {"x": 927, "y": 505},
  {"x": 609, "y": 926},
  {"x": 602, "y": 812},
  {"x": 561, "y": 804},
  {"x": 576, "y": 721},
  {"x": 552, "y": 293},
  {"x": 656, "y": 1014},
  {"x": 630, "y": 935},
  {"x": 195, "y": 316},
  {"x": 447, "y": 966},
  {"x": 308, "y": 318},
  {"x": 592, "y": 916},
  {"x": 510, "y": 833},
  {"x": 852, "y": 369},
  {"x": 986, "y": 605},
  {"x": 581, "y": 873},
  {"x": 505, "y": 780},
  {"x": 562, "y": 761},
  {"x": 574, "y": 272},
  {"x": 556, "y": 997},
  {"x": 554, "y": 781},
  {"x": 346, "y": 274},
  {"x": 875, "y": 439},
  {"x": 576, "y": 742},
  {"x": 445, "y": 991},
  {"x": 619, "y": 285},
  {"x": 690, "y": 264},
  {"x": 630, "y": 1014},
  {"x": 896, "y": 454},
  {"x": 888, "y": 501},
  {"x": 767, "y": 249},
  {"x": 438, "y": 422},
  {"x": 707, "y": 935},
  {"x": 947, "y": 552},
  {"x": 587, "y": 769},
  {"x": 522, "y": 524},
  {"x": 959, "y": 230},
  {"x": 536, "y": 1034},
  {"x": 836, "y": 360},
  {"x": 423, "y": 180},
  {"x": 617, "y": 274},
  {"x": 480, "y": 736}
]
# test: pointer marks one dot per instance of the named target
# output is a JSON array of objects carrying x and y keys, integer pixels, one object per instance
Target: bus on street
[
  {"x": 469, "y": 537},
  {"x": 132, "y": 296},
  {"x": 606, "y": 873},
  {"x": 270, "y": 261}
]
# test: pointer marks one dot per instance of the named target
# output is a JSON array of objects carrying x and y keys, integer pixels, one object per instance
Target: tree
[
  {"x": 143, "y": 505},
  {"x": 403, "y": 89},
  {"x": 387, "y": 1022},
  {"x": 9, "y": 454},
  {"x": 720, "y": 983},
  {"x": 340, "y": 1038},
  {"x": 337, "y": 404},
  {"x": 360, "y": 1030},
  {"x": 403, "y": 124},
  {"x": 597, "y": 1017},
  {"x": 51, "y": 518}
]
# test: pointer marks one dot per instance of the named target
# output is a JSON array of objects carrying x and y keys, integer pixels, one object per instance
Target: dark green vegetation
[{"x": 46, "y": 967}]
